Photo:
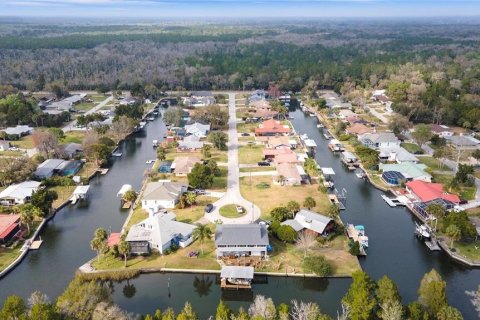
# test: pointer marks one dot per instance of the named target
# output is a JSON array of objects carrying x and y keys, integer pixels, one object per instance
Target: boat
[
  {"x": 360, "y": 174},
  {"x": 422, "y": 230},
  {"x": 117, "y": 154},
  {"x": 243, "y": 282},
  {"x": 362, "y": 238},
  {"x": 150, "y": 118},
  {"x": 155, "y": 143},
  {"x": 312, "y": 114},
  {"x": 320, "y": 125},
  {"x": 150, "y": 161}
]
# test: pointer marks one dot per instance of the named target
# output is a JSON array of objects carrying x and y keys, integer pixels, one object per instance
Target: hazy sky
[{"x": 240, "y": 8}]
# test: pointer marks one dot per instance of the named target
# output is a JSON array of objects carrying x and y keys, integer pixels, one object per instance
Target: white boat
[
  {"x": 117, "y": 154},
  {"x": 155, "y": 143},
  {"x": 320, "y": 125},
  {"x": 360, "y": 174},
  {"x": 422, "y": 230},
  {"x": 313, "y": 115},
  {"x": 150, "y": 161},
  {"x": 362, "y": 238}
]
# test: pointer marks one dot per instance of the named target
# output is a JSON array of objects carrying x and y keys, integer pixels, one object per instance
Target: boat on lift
[{"x": 422, "y": 230}]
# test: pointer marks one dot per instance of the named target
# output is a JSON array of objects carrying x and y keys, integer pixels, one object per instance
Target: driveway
[
  {"x": 72, "y": 126},
  {"x": 233, "y": 196}
]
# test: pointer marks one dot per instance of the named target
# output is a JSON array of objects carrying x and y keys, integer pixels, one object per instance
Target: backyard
[
  {"x": 433, "y": 164},
  {"x": 412, "y": 148}
]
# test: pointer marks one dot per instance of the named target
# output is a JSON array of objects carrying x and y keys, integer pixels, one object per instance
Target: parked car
[
  {"x": 209, "y": 208},
  {"x": 13, "y": 149},
  {"x": 239, "y": 209},
  {"x": 245, "y": 134},
  {"x": 263, "y": 163},
  {"x": 200, "y": 191}
]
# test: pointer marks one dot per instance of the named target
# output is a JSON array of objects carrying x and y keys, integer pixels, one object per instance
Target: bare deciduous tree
[
  {"x": 304, "y": 310},
  {"x": 304, "y": 241},
  {"x": 263, "y": 307}
]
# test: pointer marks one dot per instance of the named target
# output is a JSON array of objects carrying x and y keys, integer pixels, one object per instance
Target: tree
[
  {"x": 286, "y": 234},
  {"x": 309, "y": 203},
  {"x": 161, "y": 154},
  {"x": 219, "y": 139},
  {"x": 399, "y": 124},
  {"x": 263, "y": 308},
  {"x": 354, "y": 248},
  {"x": 387, "y": 290},
  {"x": 333, "y": 211},
  {"x": 13, "y": 308},
  {"x": 44, "y": 311},
  {"x": 304, "y": 310},
  {"x": 99, "y": 154},
  {"x": 108, "y": 311},
  {"x": 454, "y": 233},
  {"x": 45, "y": 141},
  {"x": 360, "y": 297},
  {"x": 124, "y": 250},
  {"x": 223, "y": 311},
  {"x": 293, "y": 207},
  {"x": 190, "y": 198},
  {"x": 201, "y": 232},
  {"x": 43, "y": 200},
  {"x": 449, "y": 313},
  {"x": 129, "y": 196},
  {"x": 200, "y": 176},
  {"x": 187, "y": 313},
  {"x": 99, "y": 240},
  {"x": 431, "y": 293},
  {"x": 280, "y": 214},
  {"x": 476, "y": 154},
  {"x": 168, "y": 314},
  {"x": 318, "y": 265},
  {"x": 216, "y": 115},
  {"x": 391, "y": 310},
  {"x": 122, "y": 126},
  {"x": 422, "y": 134},
  {"x": 15, "y": 170},
  {"x": 305, "y": 240},
  {"x": 206, "y": 151},
  {"x": 26, "y": 218},
  {"x": 464, "y": 172},
  {"x": 173, "y": 116}
]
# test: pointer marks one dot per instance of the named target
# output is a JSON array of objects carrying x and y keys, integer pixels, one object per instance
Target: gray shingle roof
[{"x": 245, "y": 234}]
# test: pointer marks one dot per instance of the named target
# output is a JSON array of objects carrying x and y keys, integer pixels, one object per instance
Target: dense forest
[{"x": 431, "y": 69}]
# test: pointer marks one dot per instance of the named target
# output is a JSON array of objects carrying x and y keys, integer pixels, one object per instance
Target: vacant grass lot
[
  {"x": 195, "y": 212},
  {"x": 433, "y": 164},
  {"x": 467, "y": 193},
  {"x": 64, "y": 193},
  {"x": 275, "y": 195},
  {"x": 258, "y": 169},
  {"x": 250, "y": 154},
  {"x": 246, "y": 127},
  {"x": 84, "y": 106},
  {"x": 412, "y": 148},
  {"x": 73, "y": 137}
]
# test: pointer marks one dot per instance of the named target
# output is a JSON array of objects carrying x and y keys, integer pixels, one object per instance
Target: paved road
[
  {"x": 72, "y": 126},
  {"x": 378, "y": 114},
  {"x": 233, "y": 196}
]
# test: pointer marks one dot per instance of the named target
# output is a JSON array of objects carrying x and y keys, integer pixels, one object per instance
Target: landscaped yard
[
  {"x": 468, "y": 250},
  {"x": 433, "y": 164},
  {"x": 8, "y": 255},
  {"x": 24, "y": 142},
  {"x": 250, "y": 154},
  {"x": 230, "y": 211},
  {"x": 84, "y": 106},
  {"x": 412, "y": 148},
  {"x": 97, "y": 97},
  {"x": 246, "y": 127},
  {"x": 196, "y": 212},
  {"x": 64, "y": 193},
  {"x": 467, "y": 193},
  {"x": 266, "y": 195}
]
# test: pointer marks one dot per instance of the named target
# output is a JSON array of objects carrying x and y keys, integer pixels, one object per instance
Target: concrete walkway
[{"x": 233, "y": 196}]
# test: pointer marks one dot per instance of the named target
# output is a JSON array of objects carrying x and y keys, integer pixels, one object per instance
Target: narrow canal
[{"x": 393, "y": 248}]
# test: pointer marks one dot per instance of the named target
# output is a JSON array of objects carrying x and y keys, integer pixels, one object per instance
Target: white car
[
  {"x": 239, "y": 209},
  {"x": 13, "y": 149}
]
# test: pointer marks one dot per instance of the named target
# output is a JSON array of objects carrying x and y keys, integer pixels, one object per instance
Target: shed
[{"x": 124, "y": 189}]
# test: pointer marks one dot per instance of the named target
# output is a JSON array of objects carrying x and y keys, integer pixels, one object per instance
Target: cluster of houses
[
  {"x": 49, "y": 104},
  {"x": 381, "y": 97},
  {"x": 333, "y": 101},
  {"x": 199, "y": 99}
]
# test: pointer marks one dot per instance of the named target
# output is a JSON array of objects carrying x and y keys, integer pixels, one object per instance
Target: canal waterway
[{"x": 393, "y": 248}]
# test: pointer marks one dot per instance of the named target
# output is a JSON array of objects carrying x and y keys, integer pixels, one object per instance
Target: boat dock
[
  {"x": 392, "y": 202},
  {"x": 432, "y": 245},
  {"x": 334, "y": 200},
  {"x": 35, "y": 245},
  {"x": 353, "y": 234}
]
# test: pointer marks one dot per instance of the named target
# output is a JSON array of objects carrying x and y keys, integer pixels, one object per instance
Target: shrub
[
  {"x": 286, "y": 234},
  {"x": 318, "y": 265},
  {"x": 58, "y": 181},
  {"x": 263, "y": 185},
  {"x": 280, "y": 214},
  {"x": 354, "y": 248}
]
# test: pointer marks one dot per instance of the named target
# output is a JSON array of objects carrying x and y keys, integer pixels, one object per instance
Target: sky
[{"x": 240, "y": 8}]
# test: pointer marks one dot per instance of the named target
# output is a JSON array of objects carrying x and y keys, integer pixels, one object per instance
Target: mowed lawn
[
  {"x": 250, "y": 154},
  {"x": 433, "y": 164},
  {"x": 275, "y": 195}
]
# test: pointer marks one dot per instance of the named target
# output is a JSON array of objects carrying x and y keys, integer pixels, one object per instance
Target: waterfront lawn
[
  {"x": 64, "y": 193},
  {"x": 433, "y": 164},
  {"x": 469, "y": 250},
  {"x": 177, "y": 260},
  {"x": 87, "y": 170},
  {"x": 138, "y": 215},
  {"x": 377, "y": 181},
  {"x": 412, "y": 148},
  {"x": 8, "y": 255},
  {"x": 274, "y": 196},
  {"x": 250, "y": 154}
]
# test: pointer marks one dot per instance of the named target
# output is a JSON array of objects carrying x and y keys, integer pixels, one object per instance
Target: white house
[
  {"x": 18, "y": 130},
  {"x": 441, "y": 130},
  {"x": 311, "y": 221},
  {"x": 4, "y": 145},
  {"x": 399, "y": 155},
  {"x": 161, "y": 195},
  {"x": 379, "y": 140},
  {"x": 241, "y": 240},
  {"x": 19, "y": 193},
  {"x": 197, "y": 129},
  {"x": 159, "y": 232}
]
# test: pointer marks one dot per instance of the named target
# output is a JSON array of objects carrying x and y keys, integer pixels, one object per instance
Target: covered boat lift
[
  {"x": 80, "y": 193},
  {"x": 236, "y": 277},
  {"x": 124, "y": 189}
]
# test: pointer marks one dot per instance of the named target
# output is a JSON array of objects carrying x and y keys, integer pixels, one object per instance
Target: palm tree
[
  {"x": 190, "y": 198},
  {"x": 309, "y": 203},
  {"x": 454, "y": 233},
  {"x": 333, "y": 211},
  {"x": 129, "y": 196},
  {"x": 293, "y": 207},
  {"x": 124, "y": 250},
  {"x": 201, "y": 232},
  {"x": 26, "y": 217},
  {"x": 161, "y": 154},
  {"x": 99, "y": 241}
]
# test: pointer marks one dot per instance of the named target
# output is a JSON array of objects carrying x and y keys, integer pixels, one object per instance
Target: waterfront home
[
  {"x": 162, "y": 195},
  {"x": 422, "y": 207},
  {"x": 441, "y": 130},
  {"x": 396, "y": 154},
  {"x": 65, "y": 105},
  {"x": 9, "y": 227},
  {"x": 271, "y": 154},
  {"x": 182, "y": 166},
  {"x": 289, "y": 174},
  {"x": 238, "y": 240},
  {"x": 190, "y": 143},
  {"x": 427, "y": 191},
  {"x": 165, "y": 167},
  {"x": 272, "y": 128},
  {"x": 310, "y": 221},
  {"x": 260, "y": 105},
  {"x": 379, "y": 140},
  {"x": 410, "y": 171},
  {"x": 57, "y": 166},
  {"x": 236, "y": 277},
  {"x": 358, "y": 129},
  {"x": 257, "y": 95},
  {"x": 197, "y": 129},
  {"x": 345, "y": 113},
  {"x": 199, "y": 99},
  {"x": 17, "y": 132},
  {"x": 4, "y": 145},
  {"x": 463, "y": 142},
  {"x": 72, "y": 149},
  {"x": 19, "y": 193},
  {"x": 159, "y": 232},
  {"x": 128, "y": 101},
  {"x": 277, "y": 142}
]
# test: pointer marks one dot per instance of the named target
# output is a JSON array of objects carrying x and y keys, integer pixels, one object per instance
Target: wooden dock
[
  {"x": 334, "y": 200},
  {"x": 35, "y": 245}
]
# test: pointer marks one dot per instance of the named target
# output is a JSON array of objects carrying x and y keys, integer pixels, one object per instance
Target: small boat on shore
[
  {"x": 422, "y": 231},
  {"x": 360, "y": 174}
]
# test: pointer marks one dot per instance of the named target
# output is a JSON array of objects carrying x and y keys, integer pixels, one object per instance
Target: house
[
  {"x": 260, "y": 105},
  {"x": 309, "y": 221},
  {"x": 355, "y": 119},
  {"x": 399, "y": 155},
  {"x": 190, "y": 143},
  {"x": 345, "y": 113},
  {"x": 165, "y": 167},
  {"x": 237, "y": 240},
  {"x": 4, "y": 145},
  {"x": 182, "y": 166},
  {"x": 441, "y": 130},
  {"x": 410, "y": 171},
  {"x": 272, "y": 128},
  {"x": 264, "y": 114},
  {"x": 128, "y": 101},
  {"x": 197, "y": 129},
  {"x": 377, "y": 93},
  {"x": 289, "y": 174},
  {"x": 162, "y": 195},
  {"x": 199, "y": 99},
  {"x": 72, "y": 149},
  {"x": 358, "y": 129},
  {"x": 18, "y": 131},
  {"x": 270, "y": 154},
  {"x": 426, "y": 191},
  {"x": 379, "y": 140},
  {"x": 280, "y": 142},
  {"x": 57, "y": 166},
  {"x": 19, "y": 193},
  {"x": 463, "y": 142},
  {"x": 159, "y": 232},
  {"x": 257, "y": 95},
  {"x": 9, "y": 227},
  {"x": 64, "y": 105}
]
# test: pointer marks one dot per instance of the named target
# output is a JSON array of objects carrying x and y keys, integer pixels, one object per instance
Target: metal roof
[
  {"x": 237, "y": 272},
  {"x": 245, "y": 234}
]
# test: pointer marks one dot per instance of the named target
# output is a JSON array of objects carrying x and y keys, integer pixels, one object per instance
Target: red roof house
[
  {"x": 272, "y": 128},
  {"x": 113, "y": 239},
  {"x": 273, "y": 153},
  {"x": 9, "y": 226},
  {"x": 286, "y": 158},
  {"x": 428, "y": 191}
]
